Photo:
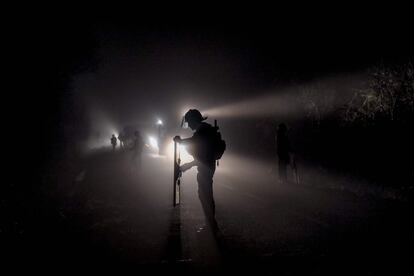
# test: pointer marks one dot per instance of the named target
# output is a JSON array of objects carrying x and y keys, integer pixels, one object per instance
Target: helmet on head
[{"x": 194, "y": 115}]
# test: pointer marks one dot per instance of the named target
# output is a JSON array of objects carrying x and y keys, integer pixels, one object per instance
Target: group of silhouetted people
[
  {"x": 206, "y": 147},
  {"x": 114, "y": 141},
  {"x": 136, "y": 146}
]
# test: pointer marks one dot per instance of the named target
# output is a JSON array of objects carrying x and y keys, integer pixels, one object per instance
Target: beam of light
[
  {"x": 258, "y": 107},
  {"x": 159, "y": 122},
  {"x": 184, "y": 155},
  {"x": 102, "y": 126},
  {"x": 293, "y": 101},
  {"x": 153, "y": 142}
]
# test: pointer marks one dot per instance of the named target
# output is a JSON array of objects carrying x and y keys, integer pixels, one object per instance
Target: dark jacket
[
  {"x": 201, "y": 144},
  {"x": 283, "y": 146}
]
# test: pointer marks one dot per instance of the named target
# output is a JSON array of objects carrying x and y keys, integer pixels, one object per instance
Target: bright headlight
[{"x": 153, "y": 142}]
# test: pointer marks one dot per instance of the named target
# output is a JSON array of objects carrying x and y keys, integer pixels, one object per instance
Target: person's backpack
[{"x": 219, "y": 143}]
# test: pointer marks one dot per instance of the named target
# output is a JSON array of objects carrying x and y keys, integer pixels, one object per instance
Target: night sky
[{"x": 143, "y": 66}]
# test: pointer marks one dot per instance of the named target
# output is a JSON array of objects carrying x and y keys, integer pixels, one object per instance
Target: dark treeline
[{"x": 369, "y": 135}]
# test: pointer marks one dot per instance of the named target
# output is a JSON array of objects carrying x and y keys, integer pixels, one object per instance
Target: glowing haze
[{"x": 292, "y": 101}]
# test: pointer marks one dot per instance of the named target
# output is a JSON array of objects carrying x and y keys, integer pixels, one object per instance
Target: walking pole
[
  {"x": 217, "y": 128},
  {"x": 177, "y": 175},
  {"x": 295, "y": 168}
]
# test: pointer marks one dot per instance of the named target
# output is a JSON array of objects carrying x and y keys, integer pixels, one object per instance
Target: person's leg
[
  {"x": 207, "y": 202},
  {"x": 282, "y": 170},
  {"x": 205, "y": 193}
]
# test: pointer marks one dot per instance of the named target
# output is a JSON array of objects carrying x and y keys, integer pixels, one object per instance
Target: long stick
[
  {"x": 296, "y": 171},
  {"x": 177, "y": 179}
]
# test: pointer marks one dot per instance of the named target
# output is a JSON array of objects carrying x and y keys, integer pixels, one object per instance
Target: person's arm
[{"x": 185, "y": 141}]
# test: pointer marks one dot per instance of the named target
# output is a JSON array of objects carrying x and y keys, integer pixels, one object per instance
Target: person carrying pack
[{"x": 207, "y": 147}]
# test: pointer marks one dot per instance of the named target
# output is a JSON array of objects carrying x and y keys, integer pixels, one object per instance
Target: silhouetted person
[
  {"x": 137, "y": 146},
  {"x": 121, "y": 140},
  {"x": 201, "y": 147},
  {"x": 113, "y": 142},
  {"x": 283, "y": 150}
]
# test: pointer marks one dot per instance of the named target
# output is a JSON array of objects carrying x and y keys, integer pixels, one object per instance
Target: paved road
[{"x": 121, "y": 215}]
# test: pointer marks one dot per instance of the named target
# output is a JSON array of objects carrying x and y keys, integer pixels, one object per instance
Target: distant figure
[
  {"x": 121, "y": 140},
  {"x": 283, "y": 150},
  {"x": 113, "y": 142},
  {"x": 137, "y": 146},
  {"x": 203, "y": 147}
]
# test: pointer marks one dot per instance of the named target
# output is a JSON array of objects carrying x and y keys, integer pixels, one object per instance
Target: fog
[
  {"x": 139, "y": 78},
  {"x": 83, "y": 203},
  {"x": 290, "y": 102}
]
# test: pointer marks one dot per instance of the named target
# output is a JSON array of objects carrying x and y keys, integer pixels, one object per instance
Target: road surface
[{"x": 111, "y": 214}]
